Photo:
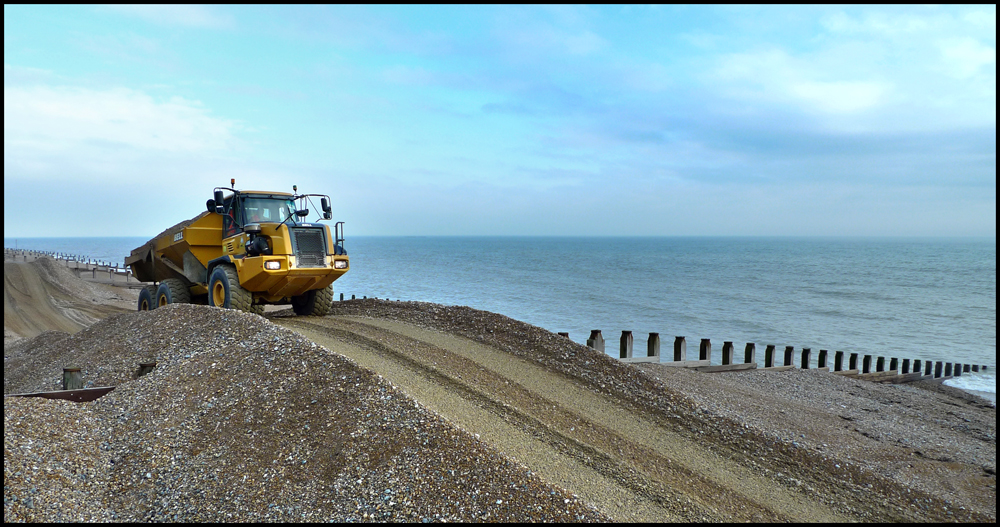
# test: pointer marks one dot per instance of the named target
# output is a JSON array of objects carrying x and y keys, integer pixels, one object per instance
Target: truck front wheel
[
  {"x": 172, "y": 291},
  {"x": 316, "y": 302},
  {"x": 224, "y": 290}
]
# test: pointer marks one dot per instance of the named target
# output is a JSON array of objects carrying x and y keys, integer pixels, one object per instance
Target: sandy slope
[{"x": 44, "y": 296}]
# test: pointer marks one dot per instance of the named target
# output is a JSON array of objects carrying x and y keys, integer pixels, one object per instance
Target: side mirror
[
  {"x": 210, "y": 205},
  {"x": 327, "y": 215},
  {"x": 252, "y": 228},
  {"x": 326, "y": 205},
  {"x": 302, "y": 213},
  {"x": 219, "y": 200}
]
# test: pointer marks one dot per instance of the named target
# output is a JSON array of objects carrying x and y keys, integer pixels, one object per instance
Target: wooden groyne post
[
  {"x": 769, "y": 356},
  {"x": 72, "y": 379},
  {"x": 596, "y": 340},
  {"x": 144, "y": 368},
  {"x": 750, "y": 353},
  {"x": 625, "y": 345},
  {"x": 653, "y": 345},
  {"x": 727, "y": 352}
]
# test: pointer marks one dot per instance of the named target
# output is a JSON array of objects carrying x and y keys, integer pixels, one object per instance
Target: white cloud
[
  {"x": 882, "y": 24},
  {"x": 776, "y": 77},
  {"x": 914, "y": 84},
  {"x": 23, "y": 75},
  {"x": 528, "y": 37},
  {"x": 61, "y": 132},
  {"x": 177, "y": 14},
  {"x": 840, "y": 96},
  {"x": 583, "y": 43},
  {"x": 409, "y": 76},
  {"x": 44, "y": 115},
  {"x": 964, "y": 57}
]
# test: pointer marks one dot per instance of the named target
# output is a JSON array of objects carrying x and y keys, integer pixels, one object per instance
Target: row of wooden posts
[
  {"x": 914, "y": 369},
  {"x": 86, "y": 262},
  {"x": 855, "y": 363}
]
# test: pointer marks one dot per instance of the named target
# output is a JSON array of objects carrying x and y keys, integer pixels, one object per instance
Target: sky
[{"x": 507, "y": 120}]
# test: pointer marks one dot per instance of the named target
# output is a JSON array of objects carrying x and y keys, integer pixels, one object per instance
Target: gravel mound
[
  {"x": 241, "y": 421},
  {"x": 910, "y": 452}
]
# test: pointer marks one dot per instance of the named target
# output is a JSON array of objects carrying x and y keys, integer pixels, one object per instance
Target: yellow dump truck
[{"x": 249, "y": 249}]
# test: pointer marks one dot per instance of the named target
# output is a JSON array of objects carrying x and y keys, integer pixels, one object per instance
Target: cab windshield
[{"x": 259, "y": 210}]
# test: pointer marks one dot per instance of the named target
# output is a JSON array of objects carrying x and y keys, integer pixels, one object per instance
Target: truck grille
[{"x": 309, "y": 247}]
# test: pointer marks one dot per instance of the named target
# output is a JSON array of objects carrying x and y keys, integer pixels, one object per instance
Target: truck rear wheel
[
  {"x": 172, "y": 291},
  {"x": 147, "y": 298},
  {"x": 224, "y": 289},
  {"x": 316, "y": 302}
]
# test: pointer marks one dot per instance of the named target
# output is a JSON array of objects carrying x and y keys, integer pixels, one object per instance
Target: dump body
[{"x": 278, "y": 259}]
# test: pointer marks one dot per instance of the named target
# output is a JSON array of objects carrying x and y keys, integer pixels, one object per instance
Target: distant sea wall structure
[
  {"x": 865, "y": 367},
  {"x": 99, "y": 270}
]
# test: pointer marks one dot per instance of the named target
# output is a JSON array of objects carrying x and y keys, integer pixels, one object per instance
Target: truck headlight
[
  {"x": 272, "y": 265},
  {"x": 340, "y": 264}
]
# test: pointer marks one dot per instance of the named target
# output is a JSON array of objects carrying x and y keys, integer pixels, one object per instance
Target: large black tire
[
  {"x": 147, "y": 298},
  {"x": 224, "y": 290},
  {"x": 316, "y": 302},
  {"x": 172, "y": 291}
]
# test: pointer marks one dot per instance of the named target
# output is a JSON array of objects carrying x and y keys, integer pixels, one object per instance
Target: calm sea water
[{"x": 930, "y": 299}]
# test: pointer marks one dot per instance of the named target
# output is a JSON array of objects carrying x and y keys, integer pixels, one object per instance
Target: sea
[{"x": 917, "y": 298}]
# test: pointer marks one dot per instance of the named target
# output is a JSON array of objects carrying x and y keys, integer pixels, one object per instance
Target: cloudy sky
[{"x": 119, "y": 121}]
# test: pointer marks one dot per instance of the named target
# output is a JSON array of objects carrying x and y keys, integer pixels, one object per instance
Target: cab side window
[{"x": 230, "y": 218}]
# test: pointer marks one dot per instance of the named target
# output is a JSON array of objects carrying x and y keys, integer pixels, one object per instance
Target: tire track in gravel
[{"x": 627, "y": 466}]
